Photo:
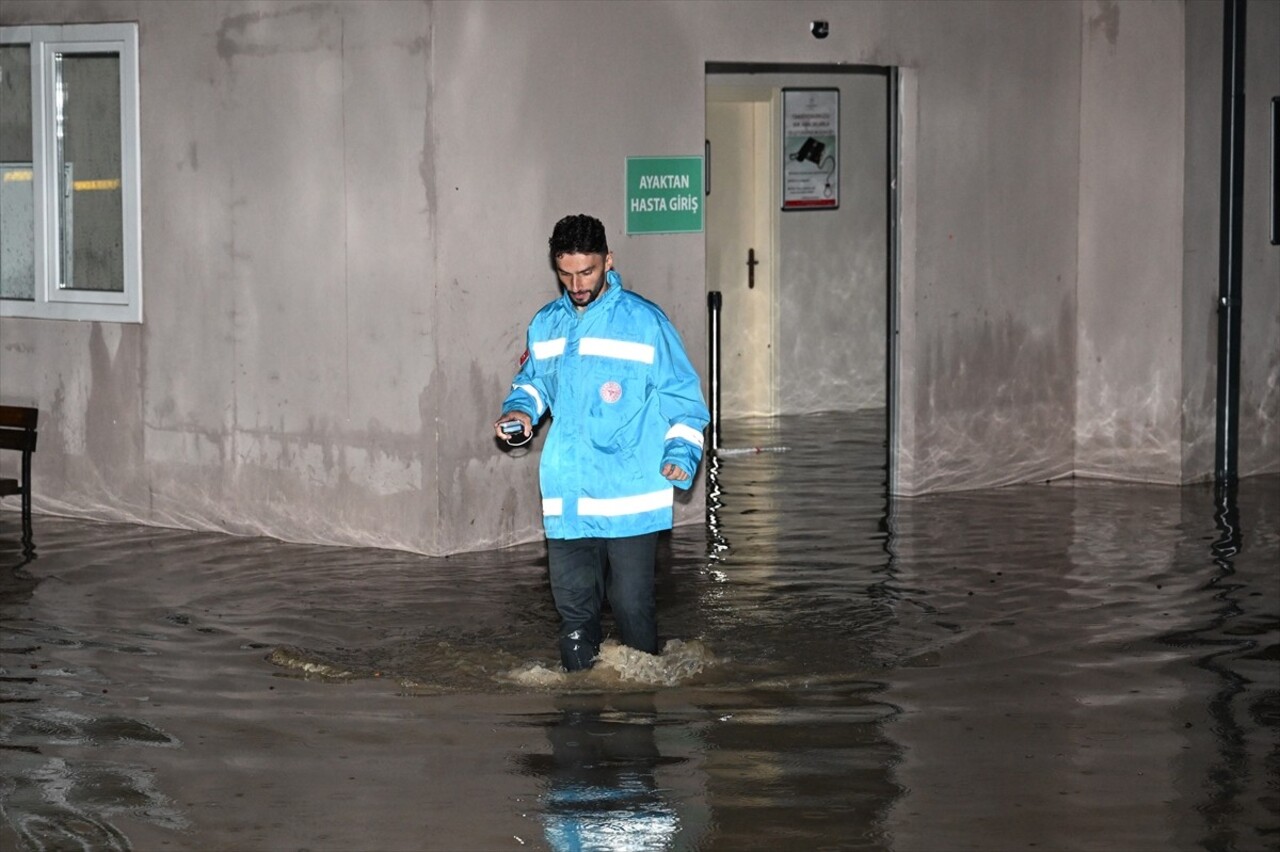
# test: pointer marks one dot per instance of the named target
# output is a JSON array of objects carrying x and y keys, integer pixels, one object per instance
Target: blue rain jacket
[{"x": 624, "y": 401}]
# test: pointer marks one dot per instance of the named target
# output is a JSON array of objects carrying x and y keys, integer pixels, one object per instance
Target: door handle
[{"x": 751, "y": 268}]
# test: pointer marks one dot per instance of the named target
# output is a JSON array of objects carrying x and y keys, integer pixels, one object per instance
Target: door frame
[{"x": 894, "y": 212}]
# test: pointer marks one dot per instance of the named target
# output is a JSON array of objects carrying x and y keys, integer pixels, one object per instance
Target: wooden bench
[{"x": 18, "y": 432}]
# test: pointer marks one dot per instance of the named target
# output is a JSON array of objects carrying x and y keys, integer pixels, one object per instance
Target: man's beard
[{"x": 595, "y": 293}]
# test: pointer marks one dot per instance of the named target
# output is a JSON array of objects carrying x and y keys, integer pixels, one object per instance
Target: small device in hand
[{"x": 513, "y": 432}]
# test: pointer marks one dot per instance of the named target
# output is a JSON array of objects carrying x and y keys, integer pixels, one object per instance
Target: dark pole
[
  {"x": 891, "y": 289},
  {"x": 1229, "y": 268},
  {"x": 713, "y": 363}
]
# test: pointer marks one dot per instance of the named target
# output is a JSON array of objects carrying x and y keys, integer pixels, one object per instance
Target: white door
[{"x": 740, "y": 253}]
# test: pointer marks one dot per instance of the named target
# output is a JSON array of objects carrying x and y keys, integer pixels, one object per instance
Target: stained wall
[{"x": 345, "y": 214}]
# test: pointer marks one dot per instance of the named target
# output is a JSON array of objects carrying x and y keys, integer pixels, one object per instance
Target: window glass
[
  {"x": 90, "y": 225},
  {"x": 17, "y": 206}
]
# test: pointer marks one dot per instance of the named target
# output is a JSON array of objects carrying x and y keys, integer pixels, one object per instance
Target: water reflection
[
  {"x": 600, "y": 777},
  {"x": 1079, "y": 665},
  {"x": 55, "y": 803},
  {"x": 1094, "y": 646},
  {"x": 17, "y": 584},
  {"x": 54, "y": 799},
  {"x": 1237, "y": 647},
  {"x": 717, "y": 544}
]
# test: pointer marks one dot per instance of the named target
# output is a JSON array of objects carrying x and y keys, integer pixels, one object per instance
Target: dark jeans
[{"x": 586, "y": 571}]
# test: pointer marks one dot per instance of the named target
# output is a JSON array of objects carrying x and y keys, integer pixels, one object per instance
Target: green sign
[{"x": 664, "y": 195}]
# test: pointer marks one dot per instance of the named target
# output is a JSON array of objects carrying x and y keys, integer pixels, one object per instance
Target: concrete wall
[
  {"x": 279, "y": 384},
  {"x": 1151, "y": 137},
  {"x": 1200, "y": 235},
  {"x": 987, "y": 316},
  {"x": 1260, "y": 331},
  {"x": 1259, "y": 447},
  {"x": 346, "y": 208},
  {"x": 1260, "y": 328},
  {"x": 1129, "y": 311}
]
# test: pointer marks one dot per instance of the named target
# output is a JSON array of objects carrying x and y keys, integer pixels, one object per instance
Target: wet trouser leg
[
  {"x": 577, "y": 586},
  {"x": 629, "y": 584},
  {"x": 581, "y": 571}
]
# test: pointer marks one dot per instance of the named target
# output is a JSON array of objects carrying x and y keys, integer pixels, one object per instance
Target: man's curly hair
[{"x": 578, "y": 234}]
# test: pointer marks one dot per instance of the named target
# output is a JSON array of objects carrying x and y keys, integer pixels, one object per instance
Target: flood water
[{"x": 1068, "y": 666}]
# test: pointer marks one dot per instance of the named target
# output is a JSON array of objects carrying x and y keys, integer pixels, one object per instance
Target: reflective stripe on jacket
[{"x": 625, "y": 401}]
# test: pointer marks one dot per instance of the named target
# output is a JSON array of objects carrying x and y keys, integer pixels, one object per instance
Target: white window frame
[{"x": 52, "y": 301}]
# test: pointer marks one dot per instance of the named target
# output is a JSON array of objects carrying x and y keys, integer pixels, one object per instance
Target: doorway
[{"x": 807, "y": 293}]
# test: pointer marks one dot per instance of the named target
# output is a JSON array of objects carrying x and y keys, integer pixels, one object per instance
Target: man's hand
[
  {"x": 674, "y": 472},
  {"x": 508, "y": 416}
]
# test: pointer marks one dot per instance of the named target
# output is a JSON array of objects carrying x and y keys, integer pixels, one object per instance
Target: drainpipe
[{"x": 1229, "y": 268}]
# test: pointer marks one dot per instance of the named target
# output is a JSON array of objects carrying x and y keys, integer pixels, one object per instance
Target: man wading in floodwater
[{"x": 628, "y": 420}]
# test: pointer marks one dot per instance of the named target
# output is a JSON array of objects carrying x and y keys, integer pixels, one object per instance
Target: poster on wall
[{"x": 810, "y": 149}]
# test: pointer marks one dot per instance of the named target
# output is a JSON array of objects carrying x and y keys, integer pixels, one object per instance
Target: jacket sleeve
[
  {"x": 530, "y": 391},
  {"x": 681, "y": 402}
]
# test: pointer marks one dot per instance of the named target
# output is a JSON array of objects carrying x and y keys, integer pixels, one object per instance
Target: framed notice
[
  {"x": 664, "y": 195},
  {"x": 810, "y": 149}
]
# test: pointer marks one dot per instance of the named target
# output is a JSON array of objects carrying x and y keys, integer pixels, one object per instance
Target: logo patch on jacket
[{"x": 611, "y": 392}]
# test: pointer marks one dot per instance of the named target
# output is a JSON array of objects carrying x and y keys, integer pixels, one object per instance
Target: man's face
[{"x": 583, "y": 275}]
